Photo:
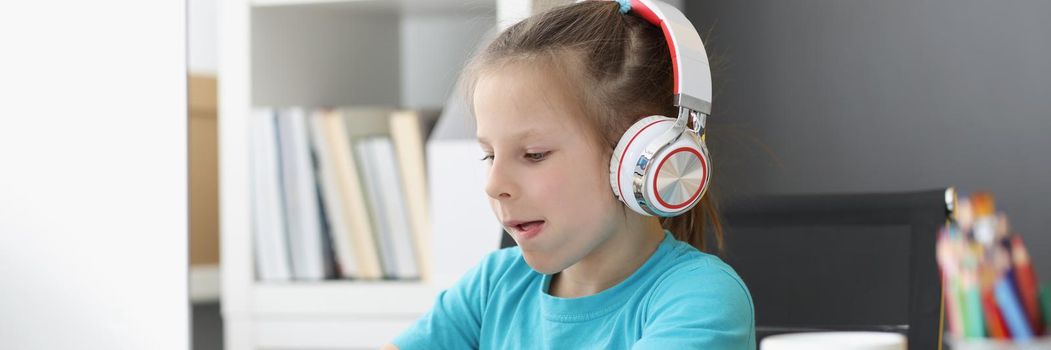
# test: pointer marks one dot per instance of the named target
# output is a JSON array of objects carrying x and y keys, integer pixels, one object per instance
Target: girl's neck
[{"x": 612, "y": 261}]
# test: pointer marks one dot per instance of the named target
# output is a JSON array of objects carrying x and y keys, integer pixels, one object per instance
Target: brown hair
[{"x": 619, "y": 68}]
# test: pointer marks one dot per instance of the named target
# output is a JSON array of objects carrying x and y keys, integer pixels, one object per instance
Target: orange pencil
[
  {"x": 1025, "y": 282},
  {"x": 983, "y": 204},
  {"x": 988, "y": 272},
  {"x": 994, "y": 321}
]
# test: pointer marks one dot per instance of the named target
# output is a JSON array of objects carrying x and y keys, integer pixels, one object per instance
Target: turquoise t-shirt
[{"x": 681, "y": 298}]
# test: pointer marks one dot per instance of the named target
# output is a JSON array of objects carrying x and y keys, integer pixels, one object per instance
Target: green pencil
[
  {"x": 972, "y": 305},
  {"x": 1045, "y": 301}
]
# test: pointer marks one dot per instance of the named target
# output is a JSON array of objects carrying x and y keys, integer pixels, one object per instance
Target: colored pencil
[
  {"x": 1025, "y": 282},
  {"x": 1008, "y": 302}
]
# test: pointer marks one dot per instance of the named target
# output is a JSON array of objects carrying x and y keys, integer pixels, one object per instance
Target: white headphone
[{"x": 660, "y": 167}]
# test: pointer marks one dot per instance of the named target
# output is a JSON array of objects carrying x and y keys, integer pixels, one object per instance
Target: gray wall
[
  {"x": 896, "y": 95},
  {"x": 434, "y": 48},
  {"x": 337, "y": 55}
]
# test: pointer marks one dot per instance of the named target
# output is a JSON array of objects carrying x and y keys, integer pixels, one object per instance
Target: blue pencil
[{"x": 1007, "y": 299}]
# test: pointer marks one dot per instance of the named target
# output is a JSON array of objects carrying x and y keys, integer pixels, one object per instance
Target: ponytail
[{"x": 700, "y": 226}]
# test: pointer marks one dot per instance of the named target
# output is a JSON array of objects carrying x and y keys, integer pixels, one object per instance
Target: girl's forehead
[
  {"x": 522, "y": 97},
  {"x": 521, "y": 82},
  {"x": 523, "y": 128}
]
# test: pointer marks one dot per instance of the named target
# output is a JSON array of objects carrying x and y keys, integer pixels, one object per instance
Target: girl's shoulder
[
  {"x": 685, "y": 258},
  {"x": 696, "y": 299},
  {"x": 690, "y": 273}
]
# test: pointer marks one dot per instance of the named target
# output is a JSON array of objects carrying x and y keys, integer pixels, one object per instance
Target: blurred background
[{"x": 811, "y": 97}]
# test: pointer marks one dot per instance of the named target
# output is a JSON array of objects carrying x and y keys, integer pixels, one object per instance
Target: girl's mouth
[{"x": 529, "y": 229}]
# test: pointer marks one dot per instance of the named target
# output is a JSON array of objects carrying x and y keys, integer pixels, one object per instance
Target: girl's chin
[{"x": 541, "y": 265}]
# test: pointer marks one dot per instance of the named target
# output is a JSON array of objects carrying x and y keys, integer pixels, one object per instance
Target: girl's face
[{"x": 548, "y": 183}]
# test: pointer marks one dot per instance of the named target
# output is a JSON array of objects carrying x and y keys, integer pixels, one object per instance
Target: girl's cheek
[{"x": 548, "y": 185}]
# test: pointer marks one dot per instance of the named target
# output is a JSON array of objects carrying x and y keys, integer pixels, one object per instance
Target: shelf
[
  {"x": 357, "y": 4},
  {"x": 321, "y": 333},
  {"x": 341, "y": 298},
  {"x": 311, "y": 53},
  {"x": 204, "y": 283},
  {"x": 402, "y": 6}
]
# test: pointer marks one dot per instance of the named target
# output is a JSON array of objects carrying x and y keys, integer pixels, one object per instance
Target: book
[
  {"x": 348, "y": 125},
  {"x": 383, "y": 190},
  {"x": 269, "y": 239},
  {"x": 301, "y": 198},
  {"x": 408, "y": 130},
  {"x": 360, "y": 227},
  {"x": 328, "y": 255},
  {"x": 334, "y": 207}
]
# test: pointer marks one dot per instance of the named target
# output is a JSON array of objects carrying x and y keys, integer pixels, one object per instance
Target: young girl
[{"x": 552, "y": 96}]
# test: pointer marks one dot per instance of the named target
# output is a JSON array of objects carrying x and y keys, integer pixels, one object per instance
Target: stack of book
[
  {"x": 990, "y": 288},
  {"x": 339, "y": 193}
]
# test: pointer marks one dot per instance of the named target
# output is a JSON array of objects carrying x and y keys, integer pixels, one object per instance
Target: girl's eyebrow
[{"x": 519, "y": 136}]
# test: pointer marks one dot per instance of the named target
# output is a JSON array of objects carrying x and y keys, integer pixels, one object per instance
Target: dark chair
[{"x": 841, "y": 262}]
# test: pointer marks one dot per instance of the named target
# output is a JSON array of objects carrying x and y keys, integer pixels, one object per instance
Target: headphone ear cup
[{"x": 626, "y": 155}]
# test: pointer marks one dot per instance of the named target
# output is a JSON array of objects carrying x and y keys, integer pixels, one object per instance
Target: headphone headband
[{"x": 693, "y": 78}]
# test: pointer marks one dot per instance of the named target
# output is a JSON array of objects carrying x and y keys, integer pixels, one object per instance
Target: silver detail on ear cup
[
  {"x": 693, "y": 103},
  {"x": 679, "y": 177},
  {"x": 640, "y": 199},
  {"x": 638, "y": 183},
  {"x": 700, "y": 121}
]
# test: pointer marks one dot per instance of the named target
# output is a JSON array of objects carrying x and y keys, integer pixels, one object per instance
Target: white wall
[
  {"x": 93, "y": 218},
  {"x": 202, "y": 35}
]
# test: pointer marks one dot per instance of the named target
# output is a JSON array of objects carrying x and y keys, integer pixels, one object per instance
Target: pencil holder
[{"x": 993, "y": 299}]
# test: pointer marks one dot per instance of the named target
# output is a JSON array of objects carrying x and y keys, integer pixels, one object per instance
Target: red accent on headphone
[
  {"x": 656, "y": 191},
  {"x": 645, "y": 12},
  {"x": 624, "y": 152}
]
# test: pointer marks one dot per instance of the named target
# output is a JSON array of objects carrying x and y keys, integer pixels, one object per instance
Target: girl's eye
[{"x": 536, "y": 157}]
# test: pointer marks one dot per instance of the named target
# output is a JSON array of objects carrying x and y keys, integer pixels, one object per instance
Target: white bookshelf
[{"x": 401, "y": 53}]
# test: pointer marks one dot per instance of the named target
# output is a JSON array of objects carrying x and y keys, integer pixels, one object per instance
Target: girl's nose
[{"x": 499, "y": 185}]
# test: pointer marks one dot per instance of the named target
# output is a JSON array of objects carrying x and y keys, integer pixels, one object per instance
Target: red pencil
[
  {"x": 994, "y": 321},
  {"x": 1025, "y": 282}
]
